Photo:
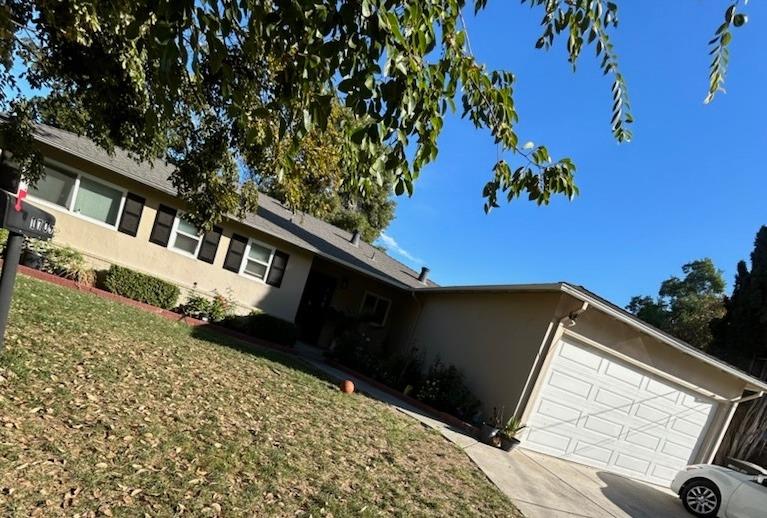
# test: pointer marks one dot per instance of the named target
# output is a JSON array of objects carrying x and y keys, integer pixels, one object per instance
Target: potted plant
[
  {"x": 508, "y": 433},
  {"x": 488, "y": 432}
]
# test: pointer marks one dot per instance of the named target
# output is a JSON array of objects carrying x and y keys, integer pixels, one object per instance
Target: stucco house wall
[
  {"x": 493, "y": 338},
  {"x": 103, "y": 246}
]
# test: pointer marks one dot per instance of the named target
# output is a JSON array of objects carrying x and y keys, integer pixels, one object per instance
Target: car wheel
[{"x": 702, "y": 498}]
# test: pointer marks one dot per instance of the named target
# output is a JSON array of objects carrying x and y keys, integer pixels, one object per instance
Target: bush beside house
[
  {"x": 45, "y": 256},
  {"x": 263, "y": 326},
  {"x": 141, "y": 287},
  {"x": 213, "y": 309},
  {"x": 442, "y": 386}
]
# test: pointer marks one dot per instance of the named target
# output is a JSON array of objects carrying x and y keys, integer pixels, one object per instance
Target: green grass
[{"x": 109, "y": 410}]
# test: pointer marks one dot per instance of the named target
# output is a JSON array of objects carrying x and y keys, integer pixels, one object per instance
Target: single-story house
[{"x": 593, "y": 383}]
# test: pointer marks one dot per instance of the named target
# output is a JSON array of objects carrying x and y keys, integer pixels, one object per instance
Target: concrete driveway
[{"x": 547, "y": 487}]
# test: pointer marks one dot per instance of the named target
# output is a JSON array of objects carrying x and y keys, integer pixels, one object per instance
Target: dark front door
[{"x": 310, "y": 317}]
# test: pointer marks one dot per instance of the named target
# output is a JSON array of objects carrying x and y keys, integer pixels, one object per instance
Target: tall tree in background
[
  {"x": 740, "y": 337},
  {"x": 222, "y": 74},
  {"x": 318, "y": 178},
  {"x": 685, "y": 307}
]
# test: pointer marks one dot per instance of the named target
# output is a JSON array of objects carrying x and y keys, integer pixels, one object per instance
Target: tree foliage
[
  {"x": 321, "y": 182},
  {"x": 220, "y": 80},
  {"x": 685, "y": 307},
  {"x": 741, "y": 335}
]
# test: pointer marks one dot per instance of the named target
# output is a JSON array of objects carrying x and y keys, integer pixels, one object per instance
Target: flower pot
[
  {"x": 509, "y": 443},
  {"x": 31, "y": 259},
  {"x": 487, "y": 432}
]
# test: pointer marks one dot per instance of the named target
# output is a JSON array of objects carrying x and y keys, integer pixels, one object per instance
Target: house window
[
  {"x": 375, "y": 308},
  {"x": 55, "y": 187},
  {"x": 258, "y": 259},
  {"x": 97, "y": 201},
  {"x": 186, "y": 237},
  {"x": 81, "y": 195}
]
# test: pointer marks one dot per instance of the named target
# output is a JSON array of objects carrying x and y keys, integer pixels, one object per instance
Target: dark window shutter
[
  {"x": 131, "y": 216},
  {"x": 163, "y": 224},
  {"x": 277, "y": 271},
  {"x": 233, "y": 259},
  {"x": 209, "y": 245}
]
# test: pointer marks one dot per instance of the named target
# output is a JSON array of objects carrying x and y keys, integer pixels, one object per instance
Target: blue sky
[{"x": 691, "y": 184}]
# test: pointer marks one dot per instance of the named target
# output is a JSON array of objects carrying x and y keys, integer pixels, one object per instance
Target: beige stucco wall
[
  {"x": 103, "y": 246},
  {"x": 492, "y": 338}
]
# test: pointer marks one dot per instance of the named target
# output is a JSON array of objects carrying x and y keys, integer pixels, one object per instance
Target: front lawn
[{"x": 108, "y": 410}]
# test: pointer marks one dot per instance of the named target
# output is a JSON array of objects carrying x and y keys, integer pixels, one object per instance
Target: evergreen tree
[
  {"x": 740, "y": 337},
  {"x": 685, "y": 307}
]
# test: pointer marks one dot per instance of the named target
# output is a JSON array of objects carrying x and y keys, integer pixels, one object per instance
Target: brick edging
[
  {"x": 164, "y": 313},
  {"x": 442, "y": 416}
]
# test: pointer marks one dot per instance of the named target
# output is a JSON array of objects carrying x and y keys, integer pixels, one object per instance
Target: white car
[{"x": 737, "y": 491}]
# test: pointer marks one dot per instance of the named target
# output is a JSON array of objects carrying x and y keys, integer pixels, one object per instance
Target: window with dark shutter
[
  {"x": 209, "y": 245},
  {"x": 277, "y": 270},
  {"x": 163, "y": 224},
  {"x": 233, "y": 259},
  {"x": 131, "y": 216}
]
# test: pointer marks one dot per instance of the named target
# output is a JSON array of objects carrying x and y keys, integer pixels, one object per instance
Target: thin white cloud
[{"x": 391, "y": 245}]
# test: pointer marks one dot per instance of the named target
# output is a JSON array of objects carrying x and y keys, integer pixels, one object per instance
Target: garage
[{"x": 595, "y": 409}]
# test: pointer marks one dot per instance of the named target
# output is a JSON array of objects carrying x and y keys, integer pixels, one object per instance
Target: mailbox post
[{"x": 21, "y": 219}]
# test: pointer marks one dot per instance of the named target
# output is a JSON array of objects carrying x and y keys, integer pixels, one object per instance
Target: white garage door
[{"x": 597, "y": 410}]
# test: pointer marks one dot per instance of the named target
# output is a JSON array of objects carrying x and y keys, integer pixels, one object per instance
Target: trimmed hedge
[
  {"x": 263, "y": 326},
  {"x": 141, "y": 287}
]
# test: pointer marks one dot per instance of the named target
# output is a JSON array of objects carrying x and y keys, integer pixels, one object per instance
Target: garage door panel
[
  {"x": 594, "y": 409},
  {"x": 650, "y": 416},
  {"x": 685, "y": 427},
  {"x": 592, "y": 453},
  {"x": 636, "y": 465},
  {"x": 612, "y": 400},
  {"x": 648, "y": 441},
  {"x": 570, "y": 384},
  {"x": 602, "y": 426},
  {"x": 560, "y": 412},
  {"x": 623, "y": 375},
  {"x": 554, "y": 442},
  {"x": 580, "y": 356}
]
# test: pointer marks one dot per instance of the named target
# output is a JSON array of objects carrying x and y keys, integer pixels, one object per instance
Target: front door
[{"x": 310, "y": 317}]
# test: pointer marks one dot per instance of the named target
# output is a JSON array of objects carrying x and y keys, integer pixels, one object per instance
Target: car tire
[{"x": 701, "y": 497}]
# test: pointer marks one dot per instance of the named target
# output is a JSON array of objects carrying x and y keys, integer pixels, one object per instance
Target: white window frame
[
  {"x": 70, "y": 208},
  {"x": 245, "y": 259},
  {"x": 172, "y": 241},
  {"x": 380, "y": 298}
]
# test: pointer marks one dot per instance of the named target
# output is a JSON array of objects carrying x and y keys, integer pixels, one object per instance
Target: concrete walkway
[{"x": 541, "y": 486}]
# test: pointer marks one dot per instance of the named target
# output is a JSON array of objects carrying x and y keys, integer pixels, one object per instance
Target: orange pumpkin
[{"x": 347, "y": 387}]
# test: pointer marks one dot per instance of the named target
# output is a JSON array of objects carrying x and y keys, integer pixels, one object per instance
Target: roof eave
[{"x": 752, "y": 383}]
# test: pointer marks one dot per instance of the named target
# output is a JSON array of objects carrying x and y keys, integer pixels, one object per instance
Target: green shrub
[
  {"x": 3, "y": 239},
  {"x": 213, "y": 310},
  {"x": 445, "y": 390},
  {"x": 263, "y": 326},
  {"x": 141, "y": 287},
  {"x": 63, "y": 261},
  {"x": 67, "y": 262}
]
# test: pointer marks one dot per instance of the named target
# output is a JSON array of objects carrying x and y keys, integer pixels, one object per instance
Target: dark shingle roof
[{"x": 272, "y": 217}]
